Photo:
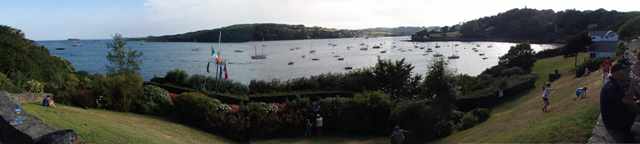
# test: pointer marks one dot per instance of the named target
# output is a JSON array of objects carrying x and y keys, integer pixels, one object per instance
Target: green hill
[
  {"x": 532, "y": 25},
  {"x": 272, "y": 31},
  {"x": 522, "y": 119},
  {"x": 257, "y": 32},
  {"x": 107, "y": 127}
]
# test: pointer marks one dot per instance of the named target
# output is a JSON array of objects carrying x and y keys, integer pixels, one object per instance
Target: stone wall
[
  {"x": 29, "y": 97},
  {"x": 31, "y": 130}
]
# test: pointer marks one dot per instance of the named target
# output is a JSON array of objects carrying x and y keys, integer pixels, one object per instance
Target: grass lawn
[
  {"x": 327, "y": 140},
  {"x": 107, "y": 127},
  {"x": 522, "y": 119}
]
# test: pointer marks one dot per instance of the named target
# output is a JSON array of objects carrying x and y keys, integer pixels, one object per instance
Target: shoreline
[{"x": 488, "y": 40}]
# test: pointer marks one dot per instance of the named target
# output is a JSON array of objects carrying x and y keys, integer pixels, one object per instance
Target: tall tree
[
  {"x": 576, "y": 44},
  {"x": 395, "y": 78},
  {"x": 438, "y": 87},
  {"x": 630, "y": 29},
  {"x": 520, "y": 55},
  {"x": 122, "y": 59}
]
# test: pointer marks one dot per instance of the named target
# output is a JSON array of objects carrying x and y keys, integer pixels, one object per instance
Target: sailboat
[
  {"x": 453, "y": 56},
  {"x": 257, "y": 56}
]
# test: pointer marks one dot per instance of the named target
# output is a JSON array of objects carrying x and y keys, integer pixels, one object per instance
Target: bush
[
  {"x": 554, "y": 76},
  {"x": 119, "y": 90},
  {"x": 520, "y": 55},
  {"x": 421, "y": 120},
  {"x": 154, "y": 100},
  {"x": 481, "y": 113},
  {"x": 474, "y": 117},
  {"x": 549, "y": 53},
  {"x": 196, "y": 82},
  {"x": 592, "y": 64},
  {"x": 177, "y": 76},
  {"x": 6, "y": 84},
  {"x": 468, "y": 121},
  {"x": 225, "y": 86},
  {"x": 365, "y": 113},
  {"x": 193, "y": 108},
  {"x": 34, "y": 86}
]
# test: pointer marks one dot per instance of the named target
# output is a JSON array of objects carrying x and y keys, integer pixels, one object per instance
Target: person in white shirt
[{"x": 546, "y": 92}]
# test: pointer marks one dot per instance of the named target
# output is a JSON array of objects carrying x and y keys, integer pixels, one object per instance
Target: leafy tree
[
  {"x": 395, "y": 78},
  {"x": 438, "y": 87},
  {"x": 520, "y": 55},
  {"x": 6, "y": 84},
  {"x": 22, "y": 60},
  {"x": 539, "y": 25},
  {"x": 577, "y": 43},
  {"x": 121, "y": 58},
  {"x": 630, "y": 29}
]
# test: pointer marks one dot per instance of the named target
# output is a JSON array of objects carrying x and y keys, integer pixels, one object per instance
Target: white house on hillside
[{"x": 604, "y": 44}]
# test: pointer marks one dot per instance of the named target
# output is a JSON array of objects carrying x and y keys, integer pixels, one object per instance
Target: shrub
[
  {"x": 177, "y": 76},
  {"x": 6, "y": 84},
  {"x": 474, "y": 117},
  {"x": 225, "y": 86},
  {"x": 34, "y": 86},
  {"x": 193, "y": 108},
  {"x": 481, "y": 113},
  {"x": 421, "y": 120},
  {"x": 196, "y": 82},
  {"x": 554, "y": 76},
  {"x": 468, "y": 121},
  {"x": 592, "y": 64},
  {"x": 549, "y": 53},
  {"x": 520, "y": 55},
  {"x": 395, "y": 78},
  {"x": 365, "y": 113},
  {"x": 154, "y": 100},
  {"x": 119, "y": 90}
]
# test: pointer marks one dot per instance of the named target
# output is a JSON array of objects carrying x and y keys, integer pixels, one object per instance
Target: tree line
[
  {"x": 272, "y": 31},
  {"x": 535, "y": 25}
]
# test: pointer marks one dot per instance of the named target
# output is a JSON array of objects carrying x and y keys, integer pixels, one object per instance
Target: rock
[
  {"x": 59, "y": 137},
  {"x": 31, "y": 129}
]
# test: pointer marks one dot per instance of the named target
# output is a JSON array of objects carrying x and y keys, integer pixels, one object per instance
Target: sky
[{"x": 100, "y": 19}]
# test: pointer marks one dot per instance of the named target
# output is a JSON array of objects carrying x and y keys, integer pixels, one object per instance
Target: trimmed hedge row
[{"x": 591, "y": 64}]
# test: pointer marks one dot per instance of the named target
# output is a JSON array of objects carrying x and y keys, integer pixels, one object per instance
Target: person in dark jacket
[
  {"x": 45, "y": 101},
  {"x": 616, "y": 116}
]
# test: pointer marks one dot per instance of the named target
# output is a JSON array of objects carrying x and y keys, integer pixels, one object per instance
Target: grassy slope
[
  {"x": 327, "y": 140},
  {"x": 522, "y": 120},
  {"x": 100, "y": 126}
]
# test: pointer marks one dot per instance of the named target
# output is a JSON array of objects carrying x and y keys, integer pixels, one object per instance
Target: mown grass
[
  {"x": 107, "y": 127},
  {"x": 522, "y": 119},
  {"x": 327, "y": 140}
]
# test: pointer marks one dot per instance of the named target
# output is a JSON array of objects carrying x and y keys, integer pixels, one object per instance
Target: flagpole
[{"x": 218, "y": 64}]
